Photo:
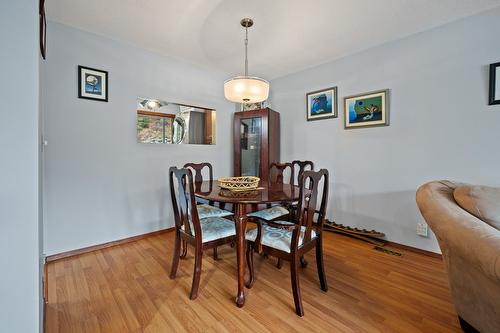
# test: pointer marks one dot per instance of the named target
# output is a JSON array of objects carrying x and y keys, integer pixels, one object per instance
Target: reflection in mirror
[
  {"x": 251, "y": 146},
  {"x": 164, "y": 122}
]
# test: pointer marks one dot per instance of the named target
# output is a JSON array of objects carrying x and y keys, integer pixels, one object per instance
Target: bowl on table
[{"x": 245, "y": 183}]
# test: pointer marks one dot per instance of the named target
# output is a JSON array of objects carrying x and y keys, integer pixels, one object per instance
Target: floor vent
[{"x": 391, "y": 252}]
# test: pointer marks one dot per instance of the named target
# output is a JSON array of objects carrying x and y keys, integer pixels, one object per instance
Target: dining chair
[
  {"x": 290, "y": 240},
  {"x": 277, "y": 174},
  {"x": 205, "y": 208},
  {"x": 290, "y": 209},
  {"x": 202, "y": 234}
]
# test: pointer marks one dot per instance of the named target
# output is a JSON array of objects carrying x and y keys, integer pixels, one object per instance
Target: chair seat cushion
[
  {"x": 205, "y": 211},
  {"x": 277, "y": 238},
  {"x": 481, "y": 201},
  {"x": 213, "y": 228},
  {"x": 270, "y": 214}
]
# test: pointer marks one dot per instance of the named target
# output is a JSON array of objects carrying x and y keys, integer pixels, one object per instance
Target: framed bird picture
[
  {"x": 322, "y": 104},
  {"x": 92, "y": 84},
  {"x": 367, "y": 110}
]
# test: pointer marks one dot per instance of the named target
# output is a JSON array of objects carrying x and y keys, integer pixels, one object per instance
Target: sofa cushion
[{"x": 481, "y": 201}]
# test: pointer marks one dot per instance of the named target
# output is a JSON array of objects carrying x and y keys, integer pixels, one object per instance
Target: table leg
[{"x": 240, "y": 220}]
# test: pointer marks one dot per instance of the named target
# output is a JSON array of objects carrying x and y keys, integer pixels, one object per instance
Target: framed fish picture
[
  {"x": 367, "y": 110},
  {"x": 322, "y": 104},
  {"x": 92, "y": 84}
]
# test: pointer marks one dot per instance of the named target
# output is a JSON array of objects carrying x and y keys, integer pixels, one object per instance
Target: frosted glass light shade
[{"x": 246, "y": 89}]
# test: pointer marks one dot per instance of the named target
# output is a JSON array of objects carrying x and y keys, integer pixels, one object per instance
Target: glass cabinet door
[{"x": 250, "y": 146}]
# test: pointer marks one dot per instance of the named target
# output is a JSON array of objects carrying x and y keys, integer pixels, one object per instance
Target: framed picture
[
  {"x": 494, "y": 83},
  {"x": 369, "y": 109},
  {"x": 42, "y": 28},
  {"x": 322, "y": 104},
  {"x": 92, "y": 84}
]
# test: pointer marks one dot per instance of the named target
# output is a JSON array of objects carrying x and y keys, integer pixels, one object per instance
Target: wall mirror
[{"x": 162, "y": 122}]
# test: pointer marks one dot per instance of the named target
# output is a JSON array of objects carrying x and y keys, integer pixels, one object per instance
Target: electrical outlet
[{"x": 422, "y": 229}]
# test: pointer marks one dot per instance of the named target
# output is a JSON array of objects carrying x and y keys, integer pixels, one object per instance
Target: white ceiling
[{"x": 288, "y": 35}]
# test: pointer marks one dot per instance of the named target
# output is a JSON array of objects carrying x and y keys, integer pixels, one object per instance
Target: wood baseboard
[
  {"x": 71, "y": 253},
  {"x": 87, "y": 249},
  {"x": 374, "y": 237},
  {"x": 414, "y": 249}
]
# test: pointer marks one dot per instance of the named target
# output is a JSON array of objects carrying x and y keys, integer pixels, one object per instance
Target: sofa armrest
[{"x": 459, "y": 233}]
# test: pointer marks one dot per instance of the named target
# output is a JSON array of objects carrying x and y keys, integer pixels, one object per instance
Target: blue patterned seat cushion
[
  {"x": 277, "y": 238},
  {"x": 213, "y": 228},
  {"x": 270, "y": 214},
  {"x": 205, "y": 211}
]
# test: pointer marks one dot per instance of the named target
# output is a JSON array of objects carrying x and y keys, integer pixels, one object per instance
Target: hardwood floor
[{"x": 126, "y": 289}]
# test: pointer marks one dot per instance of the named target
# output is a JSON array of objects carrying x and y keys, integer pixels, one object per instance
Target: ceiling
[{"x": 288, "y": 35}]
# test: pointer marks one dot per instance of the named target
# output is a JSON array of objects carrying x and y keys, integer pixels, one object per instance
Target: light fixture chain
[{"x": 246, "y": 51}]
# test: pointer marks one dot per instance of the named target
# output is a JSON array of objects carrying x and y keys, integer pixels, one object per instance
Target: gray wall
[
  {"x": 19, "y": 220},
  {"x": 100, "y": 184},
  {"x": 441, "y": 125}
]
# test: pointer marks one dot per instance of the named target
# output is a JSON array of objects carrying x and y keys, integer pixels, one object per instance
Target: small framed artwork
[
  {"x": 494, "y": 84},
  {"x": 42, "y": 28},
  {"x": 322, "y": 104},
  {"x": 365, "y": 110},
  {"x": 92, "y": 84}
]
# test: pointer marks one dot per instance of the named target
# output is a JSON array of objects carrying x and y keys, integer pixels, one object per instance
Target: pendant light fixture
[{"x": 246, "y": 89}]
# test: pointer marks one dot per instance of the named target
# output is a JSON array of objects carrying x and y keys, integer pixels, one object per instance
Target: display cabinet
[{"x": 256, "y": 142}]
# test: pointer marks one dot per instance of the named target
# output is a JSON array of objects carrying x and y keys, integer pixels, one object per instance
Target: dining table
[{"x": 244, "y": 202}]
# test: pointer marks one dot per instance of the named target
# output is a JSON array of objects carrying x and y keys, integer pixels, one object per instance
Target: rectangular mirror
[{"x": 163, "y": 122}]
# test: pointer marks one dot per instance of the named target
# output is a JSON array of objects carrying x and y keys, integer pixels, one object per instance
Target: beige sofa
[{"x": 466, "y": 222}]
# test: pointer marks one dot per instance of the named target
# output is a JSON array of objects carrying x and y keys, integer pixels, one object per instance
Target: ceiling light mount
[
  {"x": 246, "y": 89},
  {"x": 246, "y": 22}
]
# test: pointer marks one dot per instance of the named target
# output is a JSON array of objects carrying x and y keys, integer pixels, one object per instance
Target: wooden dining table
[{"x": 244, "y": 202}]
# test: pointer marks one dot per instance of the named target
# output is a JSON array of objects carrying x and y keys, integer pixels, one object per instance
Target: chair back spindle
[
  {"x": 197, "y": 169},
  {"x": 301, "y": 166},
  {"x": 277, "y": 173}
]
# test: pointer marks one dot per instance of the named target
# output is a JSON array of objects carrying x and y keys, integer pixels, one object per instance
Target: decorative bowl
[
  {"x": 240, "y": 194},
  {"x": 246, "y": 183}
]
